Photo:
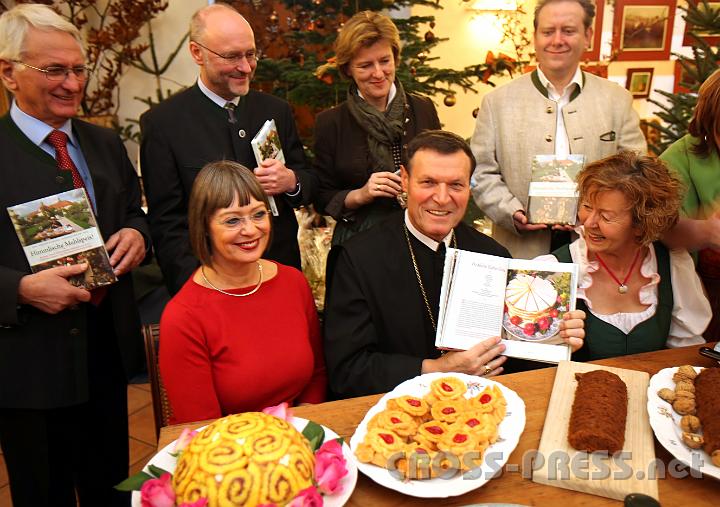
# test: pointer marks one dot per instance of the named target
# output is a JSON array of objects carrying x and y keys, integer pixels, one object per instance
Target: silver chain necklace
[{"x": 260, "y": 281}]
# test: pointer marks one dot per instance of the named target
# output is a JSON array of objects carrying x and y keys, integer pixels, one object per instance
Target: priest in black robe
[{"x": 382, "y": 300}]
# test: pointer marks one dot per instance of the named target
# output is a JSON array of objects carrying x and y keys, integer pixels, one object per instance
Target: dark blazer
[
  {"x": 182, "y": 134},
  {"x": 342, "y": 157},
  {"x": 377, "y": 331},
  {"x": 43, "y": 357}
]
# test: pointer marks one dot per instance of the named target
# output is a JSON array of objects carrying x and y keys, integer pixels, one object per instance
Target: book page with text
[{"x": 471, "y": 302}]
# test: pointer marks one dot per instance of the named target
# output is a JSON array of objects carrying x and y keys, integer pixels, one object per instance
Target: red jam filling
[
  {"x": 388, "y": 438},
  {"x": 414, "y": 403},
  {"x": 472, "y": 422},
  {"x": 459, "y": 438},
  {"x": 446, "y": 387},
  {"x": 485, "y": 398},
  {"x": 435, "y": 430},
  {"x": 448, "y": 410},
  {"x": 394, "y": 420}
]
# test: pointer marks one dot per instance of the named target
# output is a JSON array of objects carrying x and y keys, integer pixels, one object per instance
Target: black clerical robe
[{"x": 377, "y": 328}]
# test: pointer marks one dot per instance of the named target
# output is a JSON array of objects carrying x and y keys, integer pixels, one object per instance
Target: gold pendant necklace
[
  {"x": 453, "y": 242},
  {"x": 260, "y": 281}
]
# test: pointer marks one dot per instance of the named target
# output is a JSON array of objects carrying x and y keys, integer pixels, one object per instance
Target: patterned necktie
[
  {"x": 59, "y": 141},
  {"x": 230, "y": 108}
]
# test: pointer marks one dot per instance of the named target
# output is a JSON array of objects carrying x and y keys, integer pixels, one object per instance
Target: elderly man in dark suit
[
  {"x": 215, "y": 120},
  {"x": 63, "y": 350}
]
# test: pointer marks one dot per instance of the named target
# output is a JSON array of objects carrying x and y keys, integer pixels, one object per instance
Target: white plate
[
  {"x": 666, "y": 425},
  {"x": 165, "y": 460},
  {"x": 496, "y": 455}
]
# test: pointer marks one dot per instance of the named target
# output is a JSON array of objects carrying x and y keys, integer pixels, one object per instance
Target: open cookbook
[{"x": 523, "y": 301}]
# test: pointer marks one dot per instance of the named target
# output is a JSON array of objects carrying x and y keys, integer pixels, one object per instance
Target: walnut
[
  {"x": 684, "y": 406},
  {"x": 685, "y": 372},
  {"x": 716, "y": 458},
  {"x": 684, "y": 395},
  {"x": 685, "y": 385},
  {"x": 690, "y": 423},
  {"x": 692, "y": 440},
  {"x": 667, "y": 394}
]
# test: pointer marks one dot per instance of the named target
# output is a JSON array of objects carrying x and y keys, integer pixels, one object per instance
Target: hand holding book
[
  {"x": 482, "y": 359},
  {"x": 274, "y": 177},
  {"x": 50, "y": 291}
]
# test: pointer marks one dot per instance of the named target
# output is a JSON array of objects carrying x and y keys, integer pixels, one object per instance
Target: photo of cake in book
[{"x": 535, "y": 302}]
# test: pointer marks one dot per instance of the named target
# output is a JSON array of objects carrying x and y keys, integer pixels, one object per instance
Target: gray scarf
[{"x": 383, "y": 128}]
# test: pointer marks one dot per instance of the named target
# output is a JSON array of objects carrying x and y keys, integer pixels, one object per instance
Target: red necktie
[{"x": 59, "y": 141}]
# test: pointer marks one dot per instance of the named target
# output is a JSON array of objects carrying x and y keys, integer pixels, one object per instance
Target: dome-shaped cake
[
  {"x": 529, "y": 297},
  {"x": 244, "y": 459}
]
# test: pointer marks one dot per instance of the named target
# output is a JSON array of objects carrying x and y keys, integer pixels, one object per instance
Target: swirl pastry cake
[
  {"x": 244, "y": 459},
  {"x": 599, "y": 412},
  {"x": 435, "y": 435},
  {"x": 529, "y": 297}
]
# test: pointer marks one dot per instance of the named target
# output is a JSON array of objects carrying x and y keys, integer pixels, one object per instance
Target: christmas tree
[
  {"x": 704, "y": 21},
  {"x": 294, "y": 37}
]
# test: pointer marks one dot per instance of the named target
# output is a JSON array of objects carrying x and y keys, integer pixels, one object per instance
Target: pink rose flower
[
  {"x": 184, "y": 440},
  {"x": 202, "y": 502},
  {"x": 281, "y": 411},
  {"x": 308, "y": 497},
  {"x": 330, "y": 467},
  {"x": 158, "y": 492}
]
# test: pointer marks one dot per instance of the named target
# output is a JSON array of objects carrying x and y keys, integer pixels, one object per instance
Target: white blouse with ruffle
[{"x": 691, "y": 311}]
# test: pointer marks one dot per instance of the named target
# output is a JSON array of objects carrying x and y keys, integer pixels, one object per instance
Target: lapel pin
[{"x": 241, "y": 133}]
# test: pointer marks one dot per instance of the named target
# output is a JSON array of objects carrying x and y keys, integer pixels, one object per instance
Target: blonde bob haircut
[
  {"x": 17, "y": 22},
  {"x": 218, "y": 185},
  {"x": 363, "y": 30},
  {"x": 654, "y": 194}
]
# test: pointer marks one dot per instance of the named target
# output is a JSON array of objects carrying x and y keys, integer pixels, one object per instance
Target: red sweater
[{"x": 222, "y": 355}]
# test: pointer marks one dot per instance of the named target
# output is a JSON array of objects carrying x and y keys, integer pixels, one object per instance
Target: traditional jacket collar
[{"x": 542, "y": 88}]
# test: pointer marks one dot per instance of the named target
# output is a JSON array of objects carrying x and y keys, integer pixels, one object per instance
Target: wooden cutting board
[{"x": 562, "y": 466}]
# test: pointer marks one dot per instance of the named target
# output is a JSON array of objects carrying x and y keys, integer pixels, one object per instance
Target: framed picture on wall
[
  {"x": 683, "y": 80},
  {"x": 711, "y": 38},
  {"x": 639, "y": 82},
  {"x": 642, "y": 29},
  {"x": 593, "y": 52}
]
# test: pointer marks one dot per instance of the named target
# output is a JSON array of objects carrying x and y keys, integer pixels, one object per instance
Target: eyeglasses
[
  {"x": 237, "y": 221},
  {"x": 59, "y": 73},
  {"x": 233, "y": 58}
]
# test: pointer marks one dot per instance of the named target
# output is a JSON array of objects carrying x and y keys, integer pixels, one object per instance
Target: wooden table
[{"x": 534, "y": 388}]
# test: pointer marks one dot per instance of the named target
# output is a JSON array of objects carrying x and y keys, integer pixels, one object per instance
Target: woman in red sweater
[{"x": 243, "y": 333}]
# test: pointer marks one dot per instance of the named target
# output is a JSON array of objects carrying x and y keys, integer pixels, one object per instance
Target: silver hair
[{"x": 15, "y": 24}]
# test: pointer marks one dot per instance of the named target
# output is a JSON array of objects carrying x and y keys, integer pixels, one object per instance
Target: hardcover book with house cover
[
  {"x": 552, "y": 196},
  {"x": 265, "y": 145},
  {"x": 523, "y": 301},
  {"x": 60, "y": 230}
]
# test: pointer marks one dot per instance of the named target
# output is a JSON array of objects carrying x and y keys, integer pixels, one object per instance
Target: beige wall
[{"x": 168, "y": 29}]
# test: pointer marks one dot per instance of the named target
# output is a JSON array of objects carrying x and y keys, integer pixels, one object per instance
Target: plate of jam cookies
[{"x": 439, "y": 434}]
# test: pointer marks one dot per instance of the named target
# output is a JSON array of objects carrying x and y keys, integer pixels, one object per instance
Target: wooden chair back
[{"x": 161, "y": 405}]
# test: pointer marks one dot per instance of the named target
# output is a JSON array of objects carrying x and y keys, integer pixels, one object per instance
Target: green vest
[{"x": 603, "y": 340}]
